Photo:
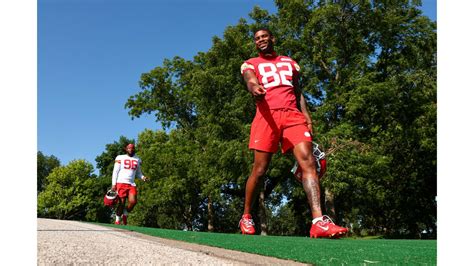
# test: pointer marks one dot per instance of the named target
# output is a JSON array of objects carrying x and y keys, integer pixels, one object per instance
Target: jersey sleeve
[
  {"x": 116, "y": 170},
  {"x": 296, "y": 69},
  {"x": 246, "y": 66},
  {"x": 294, "y": 64}
]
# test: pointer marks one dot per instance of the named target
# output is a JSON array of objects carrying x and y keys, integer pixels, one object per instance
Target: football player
[
  {"x": 282, "y": 117},
  {"x": 126, "y": 168}
]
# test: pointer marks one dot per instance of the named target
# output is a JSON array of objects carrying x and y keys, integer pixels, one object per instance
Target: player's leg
[
  {"x": 260, "y": 166},
  {"x": 264, "y": 141},
  {"x": 322, "y": 225},
  {"x": 119, "y": 210},
  {"x": 132, "y": 200},
  {"x": 303, "y": 153},
  {"x": 297, "y": 138}
]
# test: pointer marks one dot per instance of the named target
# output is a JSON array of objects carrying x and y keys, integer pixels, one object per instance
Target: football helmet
[
  {"x": 320, "y": 159},
  {"x": 110, "y": 198}
]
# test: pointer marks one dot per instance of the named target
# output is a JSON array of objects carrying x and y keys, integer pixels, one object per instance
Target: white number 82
[{"x": 278, "y": 72}]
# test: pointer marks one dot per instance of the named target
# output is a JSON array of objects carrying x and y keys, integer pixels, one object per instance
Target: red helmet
[
  {"x": 321, "y": 167},
  {"x": 320, "y": 159},
  {"x": 110, "y": 198}
]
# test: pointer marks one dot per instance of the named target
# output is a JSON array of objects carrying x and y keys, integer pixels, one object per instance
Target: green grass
[{"x": 315, "y": 251}]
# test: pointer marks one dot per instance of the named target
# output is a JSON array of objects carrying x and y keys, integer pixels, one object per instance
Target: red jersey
[{"x": 275, "y": 73}]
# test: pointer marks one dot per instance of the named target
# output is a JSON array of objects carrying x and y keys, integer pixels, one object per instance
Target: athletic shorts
[
  {"x": 272, "y": 127},
  {"x": 124, "y": 189}
]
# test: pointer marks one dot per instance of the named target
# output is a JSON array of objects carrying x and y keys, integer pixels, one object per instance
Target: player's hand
[
  {"x": 114, "y": 187},
  {"x": 144, "y": 178},
  {"x": 310, "y": 129},
  {"x": 258, "y": 92}
]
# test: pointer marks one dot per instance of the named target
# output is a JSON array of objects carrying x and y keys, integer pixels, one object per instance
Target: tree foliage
[
  {"x": 73, "y": 192},
  {"x": 44, "y": 165}
]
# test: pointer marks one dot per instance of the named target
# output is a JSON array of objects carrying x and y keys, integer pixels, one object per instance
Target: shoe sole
[
  {"x": 246, "y": 233},
  {"x": 333, "y": 236}
]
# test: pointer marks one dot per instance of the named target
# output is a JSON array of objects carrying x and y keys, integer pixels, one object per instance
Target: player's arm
[
  {"x": 251, "y": 81},
  {"x": 115, "y": 173},
  {"x": 302, "y": 103}
]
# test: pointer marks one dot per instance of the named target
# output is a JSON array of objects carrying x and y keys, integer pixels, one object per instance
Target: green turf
[{"x": 315, "y": 251}]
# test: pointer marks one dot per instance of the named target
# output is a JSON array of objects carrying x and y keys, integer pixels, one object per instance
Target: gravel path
[{"x": 71, "y": 242}]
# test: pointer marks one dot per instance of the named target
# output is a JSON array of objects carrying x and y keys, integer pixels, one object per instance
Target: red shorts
[
  {"x": 272, "y": 127},
  {"x": 124, "y": 189}
]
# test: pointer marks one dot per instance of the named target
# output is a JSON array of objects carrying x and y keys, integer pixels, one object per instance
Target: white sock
[
  {"x": 125, "y": 212},
  {"x": 117, "y": 218},
  {"x": 317, "y": 219}
]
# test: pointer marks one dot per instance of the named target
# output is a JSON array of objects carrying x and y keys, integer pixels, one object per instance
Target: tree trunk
[
  {"x": 188, "y": 216},
  {"x": 329, "y": 204},
  {"x": 210, "y": 215},
  {"x": 262, "y": 212}
]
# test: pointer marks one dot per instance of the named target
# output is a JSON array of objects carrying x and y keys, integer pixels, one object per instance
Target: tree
[
  {"x": 44, "y": 166},
  {"x": 73, "y": 192},
  {"x": 172, "y": 196}
]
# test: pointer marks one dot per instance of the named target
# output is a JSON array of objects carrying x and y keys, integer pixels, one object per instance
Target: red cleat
[
  {"x": 124, "y": 219},
  {"x": 326, "y": 228},
  {"x": 246, "y": 225}
]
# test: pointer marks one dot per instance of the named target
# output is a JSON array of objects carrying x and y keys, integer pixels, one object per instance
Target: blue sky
[{"x": 91, "y": 55}]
